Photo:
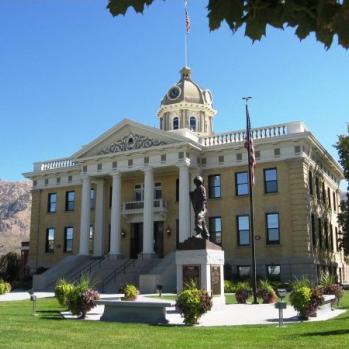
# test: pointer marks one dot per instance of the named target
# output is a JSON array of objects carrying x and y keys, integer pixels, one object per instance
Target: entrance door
[
  {"x": 159, "y": 238},
  {"x": 136, "y": 240}
]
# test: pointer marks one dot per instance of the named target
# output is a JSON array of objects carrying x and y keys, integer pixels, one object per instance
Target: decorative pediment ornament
[{"x": 131, "y": 142}]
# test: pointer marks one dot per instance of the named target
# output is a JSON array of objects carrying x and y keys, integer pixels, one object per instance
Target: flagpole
[
  {"x": 250, "y": 183},
  {"x": 186, "y": 32}
]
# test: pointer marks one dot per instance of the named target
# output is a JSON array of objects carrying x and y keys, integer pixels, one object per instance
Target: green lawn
[{"x": 20, "y": 330}]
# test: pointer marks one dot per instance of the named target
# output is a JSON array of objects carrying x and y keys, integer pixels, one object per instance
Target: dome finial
[{"x": 185, "y": 73}]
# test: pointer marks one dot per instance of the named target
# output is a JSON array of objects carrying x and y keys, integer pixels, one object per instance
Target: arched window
[
  {"x": 175, "y": 123},
  {"x": 192, "y": 123},
  {"x": 161, "y": 123}
]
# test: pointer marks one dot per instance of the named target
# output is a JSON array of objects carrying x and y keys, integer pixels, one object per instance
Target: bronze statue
[{"x": 199, "y": 201}]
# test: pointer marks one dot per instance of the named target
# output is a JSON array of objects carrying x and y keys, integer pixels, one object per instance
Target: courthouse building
[{"x": 126, "y": 194}]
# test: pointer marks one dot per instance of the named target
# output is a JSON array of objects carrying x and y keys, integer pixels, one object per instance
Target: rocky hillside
[{"x": 15, "y": 203}]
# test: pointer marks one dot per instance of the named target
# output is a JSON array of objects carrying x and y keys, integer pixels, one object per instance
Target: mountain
[{"x": 15, "y": 205}]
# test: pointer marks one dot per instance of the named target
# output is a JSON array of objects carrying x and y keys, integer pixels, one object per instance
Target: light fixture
[
  {"x": 123, "y": 234},
  {"x": 168, "y": 231}
]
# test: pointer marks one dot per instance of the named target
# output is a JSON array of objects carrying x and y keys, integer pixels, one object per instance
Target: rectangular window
[
  {"x": 90, "y": 240},
  {"x": 336, "y": 239},
  {"x": 320, "y": 232},
  {"x": 323, "y": 193},
  {"x": 241, "y": 183},
  {"x": 270, "y": 180},
  {"x": 244, "y": 271},
  {"x": 313, "y": 233},
  {"x": 221, "y": 159},
  {"x": 52, "y": 203},
  {"x": 69, "y": 200},
  {"x": 310, "y": 182},
  {"x": 68, "y": 239},
  {"x": 50, "y": 240},
  {"x": 157, "y": 191},
  {"x": 277, "y": 152},
  {"x": 331, "y": 238},
  {"x": 273, "y": 228},
  {"x": 114, "y": 165},
  {"x": 92, "y": 198},
  {"x": 138, "y": 192},
  {"x": 317, "y": 187},
  {"x": 334, "y": 201},
  {"x": 327, "y": 246},
  {"x": 239, "y": 157},
  {"x": 163, "y": 157},
  {"x": 258, "y": 154},
  {"x": 243, "y": 230},
  {"x": 329, "y": 197},
  {"x": 214, "y": 185},
  {"x": 215, "y": 226},
  {"x": 273, "y": 272},
  {"x": 110, "y": 196}
]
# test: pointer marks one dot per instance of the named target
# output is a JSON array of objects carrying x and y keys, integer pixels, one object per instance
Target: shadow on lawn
[
  {"x": 326, "y": 333},
  {"x": 49, "y": 314}
]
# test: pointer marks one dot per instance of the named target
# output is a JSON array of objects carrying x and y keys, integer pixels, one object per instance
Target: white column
[
  {"x": 148, "y": 219},
  {"x": 99, "y": 221},
  {"x": 85, "y": 216},
  {"x": 184, "y": 203},
  {"x": 115, "y": 224}
]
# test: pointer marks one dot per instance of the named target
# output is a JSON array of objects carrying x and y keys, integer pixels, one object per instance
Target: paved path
[
  {"x": 23, "y": 295},
  {"x": 230, "y": 315}
]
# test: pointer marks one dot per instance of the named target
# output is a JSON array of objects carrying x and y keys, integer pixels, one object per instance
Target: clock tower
[{"x": 187, "y": 107}]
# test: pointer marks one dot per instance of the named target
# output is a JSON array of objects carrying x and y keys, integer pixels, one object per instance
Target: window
[
  {"x": 68, "y": 239},
  {"x": 146, "y": 160},
  {"x": 58, "y": 180},
  {"x": 243, "y": 230},
  {"x": 129, "y": 162},
  {"x": 163, "y": 157},
  {"x": 52, "y": 203},
  {"x": 90, "y": 240},
  {"x": 331, "y": 238},
  {"x": 317, "y": 187},
  {"x": 221, "y": 159},
  {"x": 329, "y": 197},
  {"x": 192, "y": 122},
  {"x": 239, "y": 157},
  {"x": 50, "y": 240},
  {"x": 99, "y": 167},
  {"x": 273, "y": 230},
  {"x": 313, "y": 233},
  {"x": 157, "y": 191},
  {"x": 138, "y": 192},
  {"x": 214, "y": 185},
  {"x": 241, "y": 183},
  {"x": 336, "y": 239},
  {"x": 334, "y": 201},
  {"x": 92, "y": 198},
  {"x": 323, "y": 193},
  {"x": 69, "y": 200},
  {"x": 161, "y": 123},
  {"x": 320, "y": 231},
  {"x": 274, "y": 272},
  {"x": 297, "y": 149},
  {"x": 327, "y": 246},
  {"x": 177, "y": 189},
  {"x": 270, "y": 180},
  {"x": 310, "y": 182},
  {"x": 215, "y": 226},
  {"x": 257, "y": 154},
  {"x": 70, "y": 179},
  {"x": 115, "y": 165},
  {"x": 175, "y": 123},
  {"x": 277, "y": 152},
  {"x": 244, "y": 271}
]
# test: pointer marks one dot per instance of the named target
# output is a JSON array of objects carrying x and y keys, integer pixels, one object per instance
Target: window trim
[
  {"x": 237, "y": 184},
  {"x": 67, "y": 202},
  {"x": 265, "y": 180},
  {"x": 49, "y": 203},
  {"x": 238, "y": 230},
  {"x": 173, "y": 123},
  {"x": 47, "y": 250},
  {"x": 238, "y": 273},
  {"x": 210, "y": 219},
  {"x": 65, "y": 239},
  {"x": 272, "y": 242},
  {"x": 269, "y": 277},
  {"x": 209, "y": 186}
]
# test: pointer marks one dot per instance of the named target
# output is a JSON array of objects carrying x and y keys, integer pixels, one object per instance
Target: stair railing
[{"x": 87, "y": 270}]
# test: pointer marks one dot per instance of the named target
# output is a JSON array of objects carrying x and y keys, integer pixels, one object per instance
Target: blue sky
[{"x": 69, "y": 71}]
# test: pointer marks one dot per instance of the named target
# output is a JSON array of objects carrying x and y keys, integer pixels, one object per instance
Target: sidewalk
[{"x": 23, "y": 295}]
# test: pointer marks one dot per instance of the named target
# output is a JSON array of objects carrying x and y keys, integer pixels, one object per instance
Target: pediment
[{"x": 127, "y": 136}]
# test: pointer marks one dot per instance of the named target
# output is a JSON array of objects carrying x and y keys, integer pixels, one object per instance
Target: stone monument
[{"x": 199, "y": 260}]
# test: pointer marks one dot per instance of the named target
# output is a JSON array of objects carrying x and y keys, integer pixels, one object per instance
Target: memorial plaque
[
  {"x": 215, "y": 280},
  {"x": 191, "y": 273}
]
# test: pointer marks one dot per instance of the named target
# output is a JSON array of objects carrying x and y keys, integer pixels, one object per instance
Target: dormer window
[
  {"x": 175, "y": 123},
  {"x": 192, "y": 123}
]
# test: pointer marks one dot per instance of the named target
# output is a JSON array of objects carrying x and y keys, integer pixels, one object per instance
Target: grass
[{"x": 20, "y": 330}]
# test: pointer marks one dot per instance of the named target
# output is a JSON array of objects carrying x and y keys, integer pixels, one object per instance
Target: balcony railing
[
  {"x": 130, "y": 207},
  {"x": 257, "y": 133},
  {"x": 54, "y": 164}
]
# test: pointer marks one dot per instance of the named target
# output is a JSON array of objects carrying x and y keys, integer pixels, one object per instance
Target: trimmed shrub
[
  {"x": 192, "y": 303},
  {"x": 229, "y": 286},
  {"x": 316, "y": 300},
  {"x": 130, "y": 291},
  {"x": 266, "y": 292},
  {"x": 62, "y": 290},
  {"x": 5, "y": 287},
  {"x": 242, "y": 292},
  {"x": 329, "y": 286},
  {"x": 300, "y": 299}
]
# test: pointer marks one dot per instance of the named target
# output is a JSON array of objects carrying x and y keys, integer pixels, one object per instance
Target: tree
[
  {"x": 10, "y": 266},
  {"x": 325, "y": 18},
  {"x": 343, "y": 217}
]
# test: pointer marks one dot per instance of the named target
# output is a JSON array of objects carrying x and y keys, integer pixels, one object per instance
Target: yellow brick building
[{"x": 125, "y": 195}]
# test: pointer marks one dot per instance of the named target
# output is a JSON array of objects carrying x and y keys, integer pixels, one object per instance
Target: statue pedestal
[{"x": 201, "y": 261}]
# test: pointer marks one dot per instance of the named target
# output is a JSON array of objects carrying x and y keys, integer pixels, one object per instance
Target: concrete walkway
[
  {"x": 230, "y": 315},
  {"x": 23, "y": 295}
]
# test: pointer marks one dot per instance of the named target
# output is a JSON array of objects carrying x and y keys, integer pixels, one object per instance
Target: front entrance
[
  {"x": 136, "y": 240},
  {"x": 159, "y": 238}
]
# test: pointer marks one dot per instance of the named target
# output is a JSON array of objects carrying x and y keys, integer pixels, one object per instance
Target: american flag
[
  {"x": 250, "y": 146},
  {"x": 187, "y": 19}
]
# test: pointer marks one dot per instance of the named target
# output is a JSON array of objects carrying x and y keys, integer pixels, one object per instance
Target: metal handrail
[
  {"x": 87, "y": 269},
  {"x": 121, "y": 269}
]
